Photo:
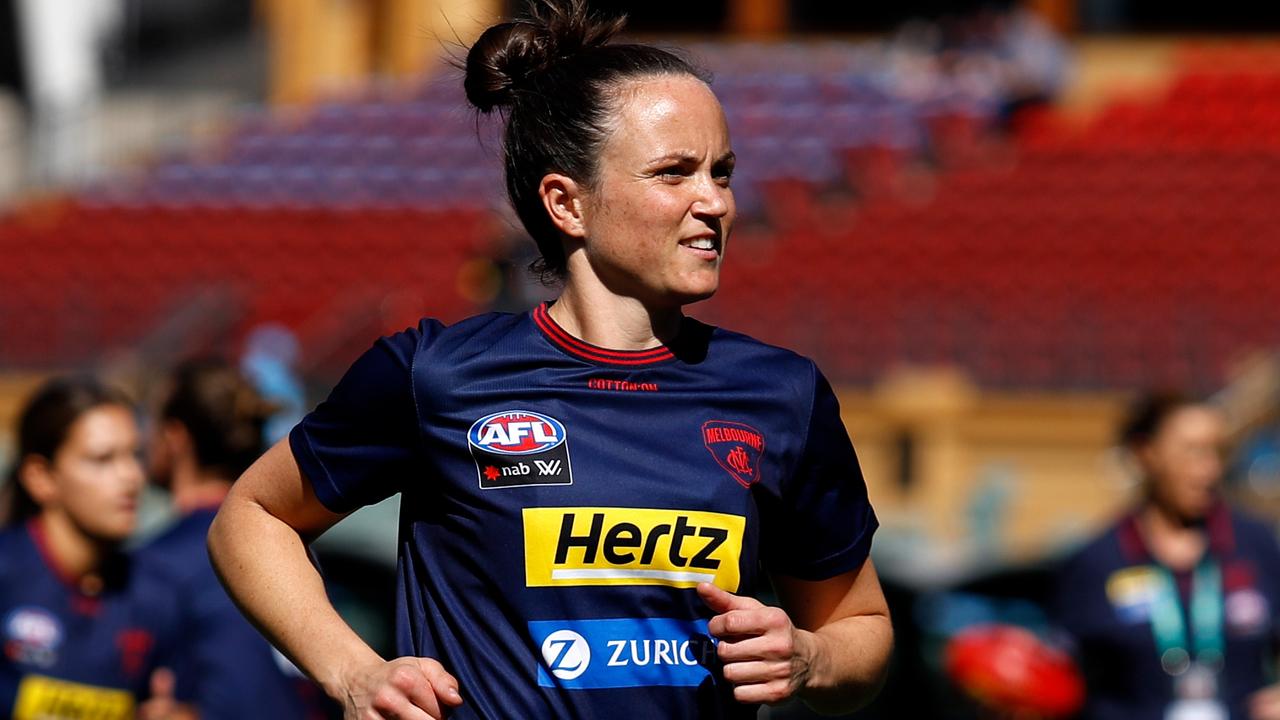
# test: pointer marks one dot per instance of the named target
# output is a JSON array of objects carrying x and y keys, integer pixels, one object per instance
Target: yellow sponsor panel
[
  {"x": 1132, "y": 585},
  {"x": 631, "y": 546},
  {"x": 46, "y": 698}
]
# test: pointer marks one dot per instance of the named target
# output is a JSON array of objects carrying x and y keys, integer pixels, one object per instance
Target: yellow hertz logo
[
  {"x": 42, "y": 697},
  {"x": 631, "y": 546}
]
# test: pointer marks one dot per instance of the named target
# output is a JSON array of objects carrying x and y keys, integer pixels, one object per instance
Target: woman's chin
[{"x": 696, "y": 291}]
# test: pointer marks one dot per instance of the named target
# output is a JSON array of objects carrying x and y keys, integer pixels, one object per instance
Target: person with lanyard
[
  {"x": 1171, "y": 609},
  {"x": 209, "y": 430},
  {"x": 591, "y": 490},
  {"x": 85, "y": 630}
]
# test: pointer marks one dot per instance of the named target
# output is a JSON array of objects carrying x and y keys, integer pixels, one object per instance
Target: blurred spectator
[
  {"x": 209, "y": 431},
  {"x": 1172, "y": 608},
  {"x": 11, "y": 76},
  {"x": 1031, "y": 59},
  {"x": 62, "y": 42},
  {"x": 269, "y": 362},
  {"x": 86, "y": 630},
  {"x": 1004, "y": 53}
]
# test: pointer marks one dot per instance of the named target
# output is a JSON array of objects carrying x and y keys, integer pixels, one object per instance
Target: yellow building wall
[{"x": 1046, "y": 461}]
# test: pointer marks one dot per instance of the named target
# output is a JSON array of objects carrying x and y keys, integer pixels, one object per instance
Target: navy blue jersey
[
  {"x": 561, "y": 501},
  {"x": 223, "y": 666},
  {"x": 70, "y": 653},
  {"x": 1104, "y": 600}
]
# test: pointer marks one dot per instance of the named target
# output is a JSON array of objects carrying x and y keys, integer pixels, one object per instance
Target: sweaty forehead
[{"x": 666, "y": 113}]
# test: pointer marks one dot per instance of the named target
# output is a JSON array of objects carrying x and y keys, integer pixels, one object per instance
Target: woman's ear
[
  {"x": 563, "y": 199},
  {"x": 1148, "y": 460},
  {"x": 36, "y": 475},
  {"x": 175, "y": 439}
]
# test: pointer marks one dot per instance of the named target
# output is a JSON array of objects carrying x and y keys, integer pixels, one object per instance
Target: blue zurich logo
[
  {"x": 516, "y": 432},
  {"x": 567, "y": 654},
  {"x": 624, "y": 652}
]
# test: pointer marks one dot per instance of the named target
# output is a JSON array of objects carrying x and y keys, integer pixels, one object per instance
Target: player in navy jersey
[
  {"x": 209, "y": 431},
  {"x": 1172, "y": 609},
  {"x": 592, "y": 491},
  {"x": 86, "y": 631}
]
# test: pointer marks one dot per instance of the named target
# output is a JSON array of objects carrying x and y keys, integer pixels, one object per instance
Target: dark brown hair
[
  {"x": 554, "y": 76},
  {"x": 1148, "y": 414},
  {"x": 222, "y": 412},
  {"x": 43, "y": 426}
]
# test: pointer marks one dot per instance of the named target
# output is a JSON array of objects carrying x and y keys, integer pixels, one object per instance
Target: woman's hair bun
[{"x": 507, "y": 54}]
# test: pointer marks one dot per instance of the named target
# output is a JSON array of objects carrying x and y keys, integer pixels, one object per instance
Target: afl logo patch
[
  {"x": 32, "y": 636},
  {"x": 520, "y": 447},
  {"x": 516, "y": 432}
]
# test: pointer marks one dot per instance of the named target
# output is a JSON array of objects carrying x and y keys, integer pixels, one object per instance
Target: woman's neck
[
  {"x": 194, "y": 488},
  {"x": 604, "y": 319},
  {"x": 1172, "y": 540},
  {"x": 73, "y": 553}
]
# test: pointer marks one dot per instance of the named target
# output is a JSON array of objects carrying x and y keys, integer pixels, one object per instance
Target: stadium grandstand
[{"x": 987, "y": 250}]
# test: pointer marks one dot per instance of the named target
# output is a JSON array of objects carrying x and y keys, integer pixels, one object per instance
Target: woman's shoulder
[
  {"x": 439, "y": 337},
  {"x": 1105, "y": 550},
  {"x": 1253, "y": 530},
  {"x": 15, "y": 544},
  {"x": 14, "y": 551},
  {"x": 436, "y": 333},
  {"x": 728, "y": 344}
]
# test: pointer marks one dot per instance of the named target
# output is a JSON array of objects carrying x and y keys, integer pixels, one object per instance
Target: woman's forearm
[
  {"x": 848, "y": 660},
  {"x": 266, "y": 569}
]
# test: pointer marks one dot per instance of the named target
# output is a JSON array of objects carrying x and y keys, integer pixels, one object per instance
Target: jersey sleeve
[
  {"x": 823, "y": 524},
  {"x": 359, "y": 444}
]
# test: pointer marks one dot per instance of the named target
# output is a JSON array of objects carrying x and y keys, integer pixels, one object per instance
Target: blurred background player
[
  {"x": 209, "y": 430},
  {"x": 85, "y": 628},
  {"x": 1173, "y": 609}
]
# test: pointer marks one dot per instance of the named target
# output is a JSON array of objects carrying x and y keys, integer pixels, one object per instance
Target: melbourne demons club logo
[
  {"x": 134, "y": 645},
  {"x": 520, "y": 447},
  {"x": 736, "y": 447}
]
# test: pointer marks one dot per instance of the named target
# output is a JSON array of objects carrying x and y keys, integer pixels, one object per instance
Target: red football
[{"x": 1007, "y": 668}]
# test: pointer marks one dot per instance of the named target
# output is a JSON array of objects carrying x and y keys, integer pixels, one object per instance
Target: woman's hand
[
  {"x": 163, "y": 705},
  {"x": 406, "y": 688},
  {"x": 765, "y": 657},
  {"x": 830, "y": 647},
  {"x": 1265, "y": 704}
]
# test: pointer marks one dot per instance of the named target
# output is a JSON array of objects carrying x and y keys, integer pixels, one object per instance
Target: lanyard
[{"x": 1206, "y": 619}]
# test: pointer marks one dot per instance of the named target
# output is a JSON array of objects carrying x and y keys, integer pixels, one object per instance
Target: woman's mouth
[{"x": 707, "y": 247}]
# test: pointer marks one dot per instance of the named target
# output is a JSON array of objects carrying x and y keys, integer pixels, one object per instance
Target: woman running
[{"x": 589, "y": 490}]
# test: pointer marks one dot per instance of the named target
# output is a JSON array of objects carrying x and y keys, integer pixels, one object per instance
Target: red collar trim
[
  {"x": 36, "y": 529},
  {"x": 1222, "y": 535},
  {"x": 586, "y": 351}
]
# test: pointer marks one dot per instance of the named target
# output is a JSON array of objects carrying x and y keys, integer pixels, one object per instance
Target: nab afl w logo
[
  {"x": 520, "y": 447},
  {"x": 736, "y": 447}
]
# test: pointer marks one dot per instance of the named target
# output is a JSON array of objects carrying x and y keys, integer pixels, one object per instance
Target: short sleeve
[
  {"x": 359, "y": 445},
  {"x": 823, "y": 524}
]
